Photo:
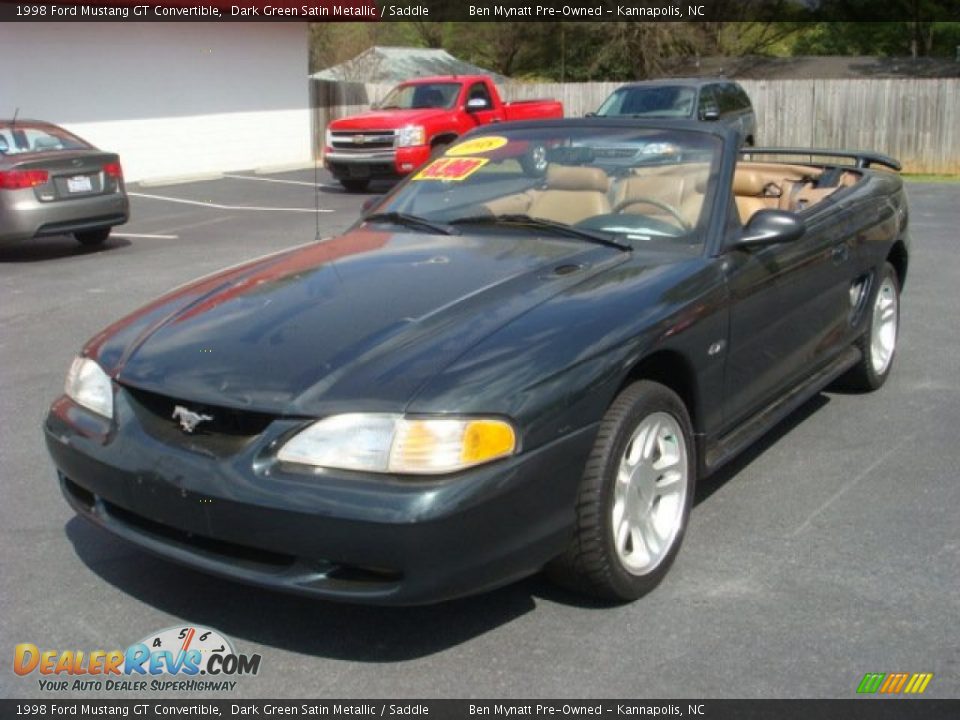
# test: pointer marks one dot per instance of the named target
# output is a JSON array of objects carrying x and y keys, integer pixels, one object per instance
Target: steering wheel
[{"x": 670, "y": 209}]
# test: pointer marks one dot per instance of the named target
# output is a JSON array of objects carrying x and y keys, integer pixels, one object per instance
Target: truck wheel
[
  {"x": 635, "y": 497},
  {"x": 534, "y": 161},
  {"x": 355, "y": 185},
  {"x": 92, "y": 238},
  {"x": 439, "y": 149},
  {"x": 878, "y": 344}
]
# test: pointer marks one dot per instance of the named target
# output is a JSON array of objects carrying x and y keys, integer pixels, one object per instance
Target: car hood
[
  {"x": 358, "y": 322},
  {"x": 387, "y": 119}
]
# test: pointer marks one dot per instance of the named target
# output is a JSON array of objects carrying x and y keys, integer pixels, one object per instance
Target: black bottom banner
[{"x": 857, "y": 709}]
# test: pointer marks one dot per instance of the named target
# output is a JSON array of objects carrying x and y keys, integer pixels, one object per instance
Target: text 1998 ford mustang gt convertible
[{"x": 494, "y": 371}]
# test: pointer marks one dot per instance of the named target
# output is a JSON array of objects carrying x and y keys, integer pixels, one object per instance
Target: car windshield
[
  {"x": 421, "y": 95},
  {"x": 628, "y": 186},
  {"x": 659, "y": 101},
  {"x": 19, "y": 138}
]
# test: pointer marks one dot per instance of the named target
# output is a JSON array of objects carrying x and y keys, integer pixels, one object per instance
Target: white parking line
[
  {"x": 218, "y": 206},
  {"x": 284, "y": 182},
  {"x": 144, "y": 235}
]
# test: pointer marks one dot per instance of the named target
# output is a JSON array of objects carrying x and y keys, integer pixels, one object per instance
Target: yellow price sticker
[{"x": 477, "y": 146}]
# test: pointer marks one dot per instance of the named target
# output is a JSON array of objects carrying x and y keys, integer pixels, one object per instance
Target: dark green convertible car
[{"x": 496, "y": 370}]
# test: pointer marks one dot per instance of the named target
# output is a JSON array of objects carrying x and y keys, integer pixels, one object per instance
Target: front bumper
[
  {"x": 393, "y": 163},
  {"x": 344, "y": 536}
]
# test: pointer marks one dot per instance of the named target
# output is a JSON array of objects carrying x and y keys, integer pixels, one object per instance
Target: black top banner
[{"x": 922, "y": 11}]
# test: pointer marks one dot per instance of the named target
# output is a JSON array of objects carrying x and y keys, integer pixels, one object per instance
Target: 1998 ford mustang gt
[{"x": 492, "y": 372}]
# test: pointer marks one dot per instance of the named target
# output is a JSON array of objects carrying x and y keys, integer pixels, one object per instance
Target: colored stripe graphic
[
  {"x": 871, "y": 682},
  {"x": 894, "y": 683},
  {"x": 918, "y": 683}
]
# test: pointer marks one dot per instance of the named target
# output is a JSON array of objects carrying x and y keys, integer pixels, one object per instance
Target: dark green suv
[{"x": 713, "y": 99}]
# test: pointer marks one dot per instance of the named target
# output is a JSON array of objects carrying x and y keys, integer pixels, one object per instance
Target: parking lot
[{"x": 830, "y": 550}]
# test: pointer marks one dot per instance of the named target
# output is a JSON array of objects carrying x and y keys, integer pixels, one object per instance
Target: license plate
[
  {"x": 358, "y": 171},
  {"x": 78, "y": 184}
]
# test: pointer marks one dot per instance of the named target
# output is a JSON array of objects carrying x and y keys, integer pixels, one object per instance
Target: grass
[{"x": 926, "y": 178}]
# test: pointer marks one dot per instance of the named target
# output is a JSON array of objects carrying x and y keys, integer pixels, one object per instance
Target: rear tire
[
  {"x": 355, "y": 185},
  {"x": 878, "y": 344},
  {"x": 634, "y": 499},
  {"x": 92, "y": 238}
]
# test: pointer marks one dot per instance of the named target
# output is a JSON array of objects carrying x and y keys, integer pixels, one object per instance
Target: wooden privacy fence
[{"x": 916, "y": 121}]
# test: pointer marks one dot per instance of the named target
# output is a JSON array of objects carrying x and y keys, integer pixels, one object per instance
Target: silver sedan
[{"x": 54, "y": 183}]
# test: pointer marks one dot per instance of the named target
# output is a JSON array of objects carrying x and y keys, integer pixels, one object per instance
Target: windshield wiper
[
  {"x": 408, "y": 220},
  {"x": 543, "y": 224}
]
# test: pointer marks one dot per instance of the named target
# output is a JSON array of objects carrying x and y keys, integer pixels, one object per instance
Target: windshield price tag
[
  {"x": 477, "y": 146},
  {"x": 454, "y": 169}
]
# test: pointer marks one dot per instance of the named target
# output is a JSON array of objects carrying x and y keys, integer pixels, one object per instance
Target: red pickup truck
[{"x": 416, "y": 120}]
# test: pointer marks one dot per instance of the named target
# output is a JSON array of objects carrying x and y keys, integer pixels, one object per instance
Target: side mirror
[
  {"x": 590, "y": 114},
  {"x": 710, "y": 114},
  {"x": 369, "y": 204},
  {"x": 477, "y": 104},
  {"x": 770, "y": 227}
]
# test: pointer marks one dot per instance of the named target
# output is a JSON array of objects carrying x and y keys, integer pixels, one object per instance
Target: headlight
[
  {"x": 387, "y": 443},
  {"x": 660, "y": 148},
  {"x": 88, "y": 385},
  {"x": 328, "y": 138},
  {"x": 411, "y": 135}
]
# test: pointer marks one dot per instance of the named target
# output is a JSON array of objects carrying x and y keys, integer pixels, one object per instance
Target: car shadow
[
  {"x": 377, "y": 187},
  {"x": 55, "y": 248},
  {"x": 343, "y": 631}
]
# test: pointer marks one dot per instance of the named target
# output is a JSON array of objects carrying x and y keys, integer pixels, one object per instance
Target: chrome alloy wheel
[
  {"x": 650, "y": 493},
  {"x": 538, "y": 158},
  {"x": 883, "y": 327}
]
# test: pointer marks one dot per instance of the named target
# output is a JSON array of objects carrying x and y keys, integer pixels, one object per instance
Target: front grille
[
  {"x": 362, "y": 140},
  {"x": 614, "y": 152},
  {"x": 208, "y": 546},
  {"x": 329, "y": 574},
  {"x": 226, "y": 432},
  {"x": 265, "y": 561}
]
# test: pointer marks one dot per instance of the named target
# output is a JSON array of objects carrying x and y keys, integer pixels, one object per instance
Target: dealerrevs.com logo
[{"x": 170, "y": 660}]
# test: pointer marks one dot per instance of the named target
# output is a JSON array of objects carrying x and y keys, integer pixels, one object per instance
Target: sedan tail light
[
  {"x": 20, "y": 179},
  {"x": 113, "y": 170}
]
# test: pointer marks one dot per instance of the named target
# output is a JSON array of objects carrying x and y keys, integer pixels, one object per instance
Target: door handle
[{"x": 840, "y": 253}]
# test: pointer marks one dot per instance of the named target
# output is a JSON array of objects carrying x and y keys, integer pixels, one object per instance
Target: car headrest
[
  {"x": 565, "y": 177},
  {"x": 748, "y": 182}
]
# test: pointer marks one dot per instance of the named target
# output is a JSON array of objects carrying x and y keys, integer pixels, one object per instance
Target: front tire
[
  {"x": 92, "y": 238},
  {"x": 534, "y": 161},
  {"x": 878, "y": 344},
  {"x": 634, "y": 499}
]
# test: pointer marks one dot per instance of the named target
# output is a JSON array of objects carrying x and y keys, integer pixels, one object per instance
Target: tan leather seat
[
  {"x": 683, "y": 191},
  {"x": 572, "y": 194},
  {"x": 665, "y": 188},
  {"x": 748, "y": 190}
]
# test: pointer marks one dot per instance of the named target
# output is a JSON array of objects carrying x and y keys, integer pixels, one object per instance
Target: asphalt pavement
[{"x": 830, "y": 550}]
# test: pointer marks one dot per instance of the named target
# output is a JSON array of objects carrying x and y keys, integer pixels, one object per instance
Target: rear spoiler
[{"x": 862, "y": 159}]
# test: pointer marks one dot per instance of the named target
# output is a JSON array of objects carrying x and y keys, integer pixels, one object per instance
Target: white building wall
[{"x": 174, "y": 99}]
